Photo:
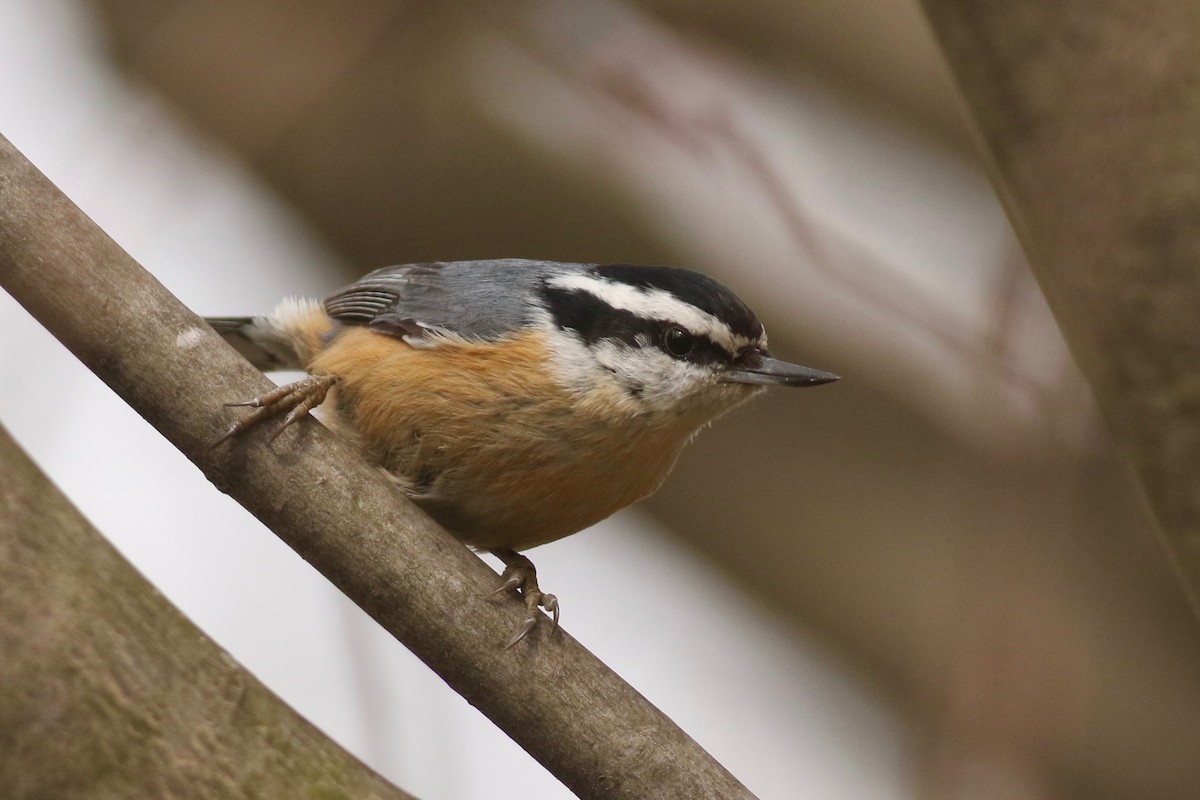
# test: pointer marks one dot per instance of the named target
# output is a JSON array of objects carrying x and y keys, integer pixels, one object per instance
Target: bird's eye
[{"x": 678, "y": 341}]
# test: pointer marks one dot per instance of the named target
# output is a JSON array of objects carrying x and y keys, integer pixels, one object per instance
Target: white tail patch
[
  {"x": 294, "y": 314},
  {"x": 297, "y": 325}
]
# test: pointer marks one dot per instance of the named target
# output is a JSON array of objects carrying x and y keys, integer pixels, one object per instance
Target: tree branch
[
  {"x": 108, "y": 691},
  {"x": 1090, "y": 111},
  {"x": 575, "y": 716}
]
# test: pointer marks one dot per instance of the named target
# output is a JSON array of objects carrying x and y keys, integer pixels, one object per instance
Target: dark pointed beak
[{"x": 764, "y": 370}]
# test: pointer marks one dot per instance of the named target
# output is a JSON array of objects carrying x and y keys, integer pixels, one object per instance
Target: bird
[{"x": 515, "y": 401}]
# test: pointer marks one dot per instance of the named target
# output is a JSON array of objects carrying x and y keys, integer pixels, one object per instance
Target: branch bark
[
  {"x": 1090, "y": 112},
  {"x": 106, "y": 691},
  {"x": 575, "y": 716}
]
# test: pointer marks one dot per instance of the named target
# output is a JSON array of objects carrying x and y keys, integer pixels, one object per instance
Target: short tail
[
  {"x": 287, "y": 339},
  {"x": 258, "y": 341}
]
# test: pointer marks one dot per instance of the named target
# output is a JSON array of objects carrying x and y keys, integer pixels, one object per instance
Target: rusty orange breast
[{"x": 482, "y": 437}]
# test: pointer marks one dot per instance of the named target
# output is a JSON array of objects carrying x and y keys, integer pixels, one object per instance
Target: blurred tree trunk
[
  {"x": 107, "y": 691},
  {"x": 1090, "y": 112}
]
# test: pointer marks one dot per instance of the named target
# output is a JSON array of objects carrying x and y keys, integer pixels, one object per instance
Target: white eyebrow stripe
[{"x": 654, "y": 304}]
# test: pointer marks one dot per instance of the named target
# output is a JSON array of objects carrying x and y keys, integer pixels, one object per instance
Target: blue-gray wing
[{"x": 474, "y": 299}]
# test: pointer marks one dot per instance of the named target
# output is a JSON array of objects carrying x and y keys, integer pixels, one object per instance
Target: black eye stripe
[
  {"x": 595, "y": 321},
  {"x": 693, "y": 288}
]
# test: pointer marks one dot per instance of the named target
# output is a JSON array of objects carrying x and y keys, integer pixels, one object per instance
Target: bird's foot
[
  {"x": 297, "y": 399},
  {"x": 520, "y": 575}
]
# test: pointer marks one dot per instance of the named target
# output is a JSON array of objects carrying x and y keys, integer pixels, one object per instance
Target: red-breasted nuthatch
[{"x": 516, "y": 401}]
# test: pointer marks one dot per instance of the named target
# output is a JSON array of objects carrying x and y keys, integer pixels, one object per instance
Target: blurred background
[{"x": 934, "y": 579}]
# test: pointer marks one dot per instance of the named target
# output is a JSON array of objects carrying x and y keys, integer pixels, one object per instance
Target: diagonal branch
[{"x": 574, "y": 715}]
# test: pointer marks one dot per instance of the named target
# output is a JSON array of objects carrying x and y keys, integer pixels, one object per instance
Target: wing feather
[{"x": 473, "y": 299}]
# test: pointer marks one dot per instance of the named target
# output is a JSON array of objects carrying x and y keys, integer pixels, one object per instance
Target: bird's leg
[
  {"x": 520, "y": 574},
  {"x": 297, "y": 399}
]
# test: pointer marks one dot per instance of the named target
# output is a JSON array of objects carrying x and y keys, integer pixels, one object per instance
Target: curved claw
[
  {"x": 550, "y": 603},
  {"x": 293, "y": 399},
  {"x": 514, "y": 582},
  {"x": 525, "y": 628},
  {"x": 254, "y": 402},
  {"x": 225, "y": 437},
  {"x": 520, "y": 574}
]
